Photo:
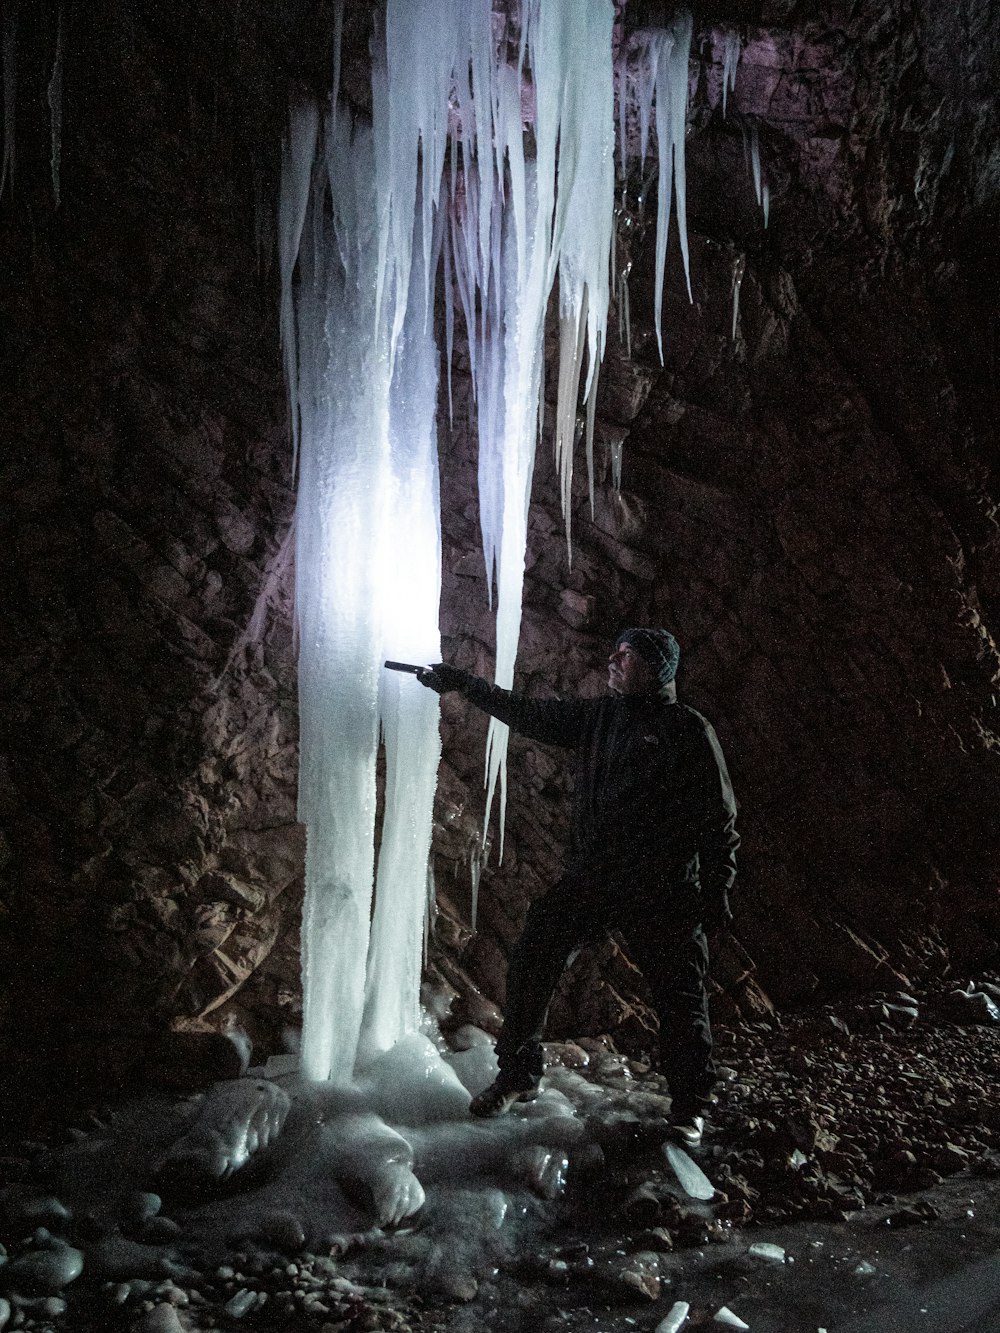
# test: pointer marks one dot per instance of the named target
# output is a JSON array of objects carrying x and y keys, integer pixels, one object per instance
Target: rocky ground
[{"x": 834, "y": 1134}]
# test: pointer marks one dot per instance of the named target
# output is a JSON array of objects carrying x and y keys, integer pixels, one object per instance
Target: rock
[
  {"x": 161, "y": 1319},
  {"x": 643, "y": 1207},
  {"x": 922, "y": 1211},
  {"x": 192, "y": 1060},
  {"x": 241, "y": 1304},
  {"x": 4, "y": 1313},
  {"x": 657, "y": 1239},
  {"x": 140, "y": 1207},
  {"x": 116, "y": 1259},
  {"x": 771, "y": 1253},
  {"x": 42, "y": 1272},
  {"x": 281, "y": 1229},
  {"x": 159, "y": 1231},
  {"x": 457, "y": 1286},
  {"x": 23, "y": 1209}
]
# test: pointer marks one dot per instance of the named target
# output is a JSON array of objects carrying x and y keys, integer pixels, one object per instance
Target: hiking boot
[
  {"x": 501, "y": 1095},
  {"x": 687, "y": 1129}
]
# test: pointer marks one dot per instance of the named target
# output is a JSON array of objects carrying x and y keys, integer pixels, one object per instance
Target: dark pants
[{"x": 672, "y": 955}]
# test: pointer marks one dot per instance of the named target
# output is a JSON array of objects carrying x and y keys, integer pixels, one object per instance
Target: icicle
[
  {"x": 297, "y": 156},
  {"x": 663, "y": 70},
  {"x": 755, "y": 159},
  {"x": 617, "y": 447},
  {"x": 429, "y": 906},
  {"x": 574, "y": 131},
  {"x": 732, "y": 49},
  {"x": 475, "y": 869},
  {"x": 627, "y": 303},
  {"x": 689, "y": 1174},
  {"x": 584, "y": 208},
  {"x": 572, "y": 334},
  {"x": 9, "y": 90},
  {"x": 739, "y": 267},
  {"x": 765, "y": 201},
  {"x": 591, "y": 422},
  {"x": 621, "y": 87},
  {"x": 680, "y": 56},
  {"x": 55, "y": 91},
  {"x": 449, "y": 321},
  {"x": 338, "y": 42}
]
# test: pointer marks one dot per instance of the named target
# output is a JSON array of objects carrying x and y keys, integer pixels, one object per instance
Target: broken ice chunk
[
  {"x": 675, "y": 1318},
  {"x": 762, "y": 1250},
  {"x": 690, "y": 1177},
  {"x": 864, "y": 1269},
  {"x": 726, "y": 1317}
]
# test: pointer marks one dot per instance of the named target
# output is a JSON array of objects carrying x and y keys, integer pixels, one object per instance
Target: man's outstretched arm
[{"x": 551, "y": 721}]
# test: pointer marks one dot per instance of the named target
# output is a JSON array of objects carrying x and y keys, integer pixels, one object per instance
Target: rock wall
[{"x": 810, "y": 505}]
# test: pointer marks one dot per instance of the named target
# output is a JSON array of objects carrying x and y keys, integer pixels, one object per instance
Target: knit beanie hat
[{"x": 655, "y": 646}]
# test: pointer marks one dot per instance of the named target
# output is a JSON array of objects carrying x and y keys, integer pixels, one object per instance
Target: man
[{"x": 652, "y": 856}]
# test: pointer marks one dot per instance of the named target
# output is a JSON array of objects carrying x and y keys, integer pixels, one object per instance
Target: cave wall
[{"x": 809, "y": 505}]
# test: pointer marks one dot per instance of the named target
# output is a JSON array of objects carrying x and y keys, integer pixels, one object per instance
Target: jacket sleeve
[
  {"x": 715, "y": 826},
  {"x": 551, "y": 721}
]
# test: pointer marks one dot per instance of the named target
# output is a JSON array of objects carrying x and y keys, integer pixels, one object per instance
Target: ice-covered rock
[
  {"x": 23, "y": 1207},
  {"x": 376, "y": 1162},
  {"x": 763, "y": 1250},
  {"x": 42, "y": 1272},
  {"x": 236, "y": 1119},
  {"x": 161, "y": 1319}
]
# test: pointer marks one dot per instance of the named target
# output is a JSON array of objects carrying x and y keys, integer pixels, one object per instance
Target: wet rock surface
[{"x": 854, "y": 1164}]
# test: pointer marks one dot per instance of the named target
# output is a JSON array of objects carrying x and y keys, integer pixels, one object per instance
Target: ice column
[
  {"x": 409, "y": 712},
  {"x": 367, "y": 484}
]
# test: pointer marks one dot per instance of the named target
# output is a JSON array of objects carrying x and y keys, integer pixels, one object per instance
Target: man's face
[{"x": 628, "y": 673}]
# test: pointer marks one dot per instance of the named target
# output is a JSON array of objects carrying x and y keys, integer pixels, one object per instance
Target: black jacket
[{"x": 653, "y": 806}]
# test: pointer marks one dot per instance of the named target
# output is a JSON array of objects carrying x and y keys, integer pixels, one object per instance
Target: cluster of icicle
[{"x": 444, "y": 180}]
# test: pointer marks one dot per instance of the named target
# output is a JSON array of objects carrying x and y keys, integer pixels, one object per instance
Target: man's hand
[{"x": 442, "y": 678}]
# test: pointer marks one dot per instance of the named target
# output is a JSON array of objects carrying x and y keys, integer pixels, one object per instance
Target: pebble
[
  {"x": 772, "y": 1253},
  {"x": 4, "y": 1313},
  {"x": 241, "y": 1304},
  {"x": 140, "y": 1207},
  {"x": 160, "y": 1319}
]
